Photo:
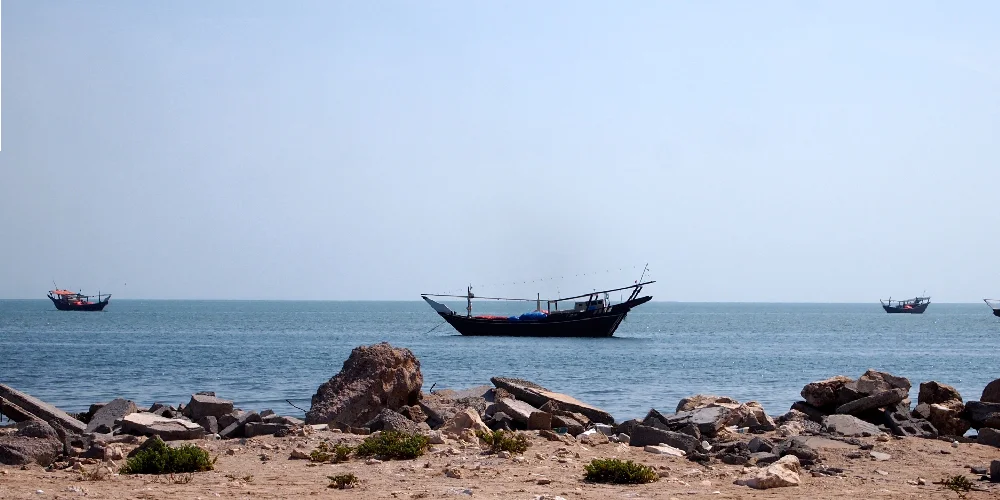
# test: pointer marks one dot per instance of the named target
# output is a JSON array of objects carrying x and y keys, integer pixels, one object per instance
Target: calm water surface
[{"x": 261, "y": 353}]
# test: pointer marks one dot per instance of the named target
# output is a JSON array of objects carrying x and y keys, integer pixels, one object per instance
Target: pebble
[
  {"x": 504, "y": 454},
  {"x": 921, "y": 481},
  {"x": 881, "y": 472},
  {"x": 543, "y": 481},
  {"x": 39, "y": 492},
  {"x": 372, "y": 461},
  {"x": 881, "y": 457}
]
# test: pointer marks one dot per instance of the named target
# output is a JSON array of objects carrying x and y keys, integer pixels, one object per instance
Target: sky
[{"x": 770, "y": 151}]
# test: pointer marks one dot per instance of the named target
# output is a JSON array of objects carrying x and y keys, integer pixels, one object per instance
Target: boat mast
[{"x": 468, "y": 298}]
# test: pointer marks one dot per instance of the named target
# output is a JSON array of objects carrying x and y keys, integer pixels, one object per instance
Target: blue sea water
[{"x": 262, "y": 353}]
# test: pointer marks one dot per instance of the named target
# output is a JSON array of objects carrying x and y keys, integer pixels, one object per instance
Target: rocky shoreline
[{"x": 839, "y": 421}]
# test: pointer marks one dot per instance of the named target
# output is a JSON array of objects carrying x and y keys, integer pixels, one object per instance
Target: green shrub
[
  {"x": 959, "y": 484},
  {"x": 613, "y": 470},
  {"x": 501, "y": 440},
  {"x": 393, "y": 445},
  {"x": 158, "y": 458},
  {"x": 343, "y": 481},
  {"x": 326, "y": 453}
]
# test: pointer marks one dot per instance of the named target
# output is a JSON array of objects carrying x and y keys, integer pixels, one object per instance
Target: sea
[{"x": 275, "y": 354}]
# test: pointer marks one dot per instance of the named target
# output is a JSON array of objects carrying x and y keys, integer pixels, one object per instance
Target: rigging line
[
  {"x": 296, "y": 407},
  {"x": 435, "y": 328}
]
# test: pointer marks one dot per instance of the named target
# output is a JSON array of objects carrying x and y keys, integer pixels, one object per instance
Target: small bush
[
  {"x": 613, "y": 470},
  {"x": 158, "y": 458},
  {"x": 325, "y": 453},
  {"x": 501, "y": 440},
  {"x": 343, "y": 481},
  {"x": 959, "y": 484},
  {"x": 393, "y": 445}
]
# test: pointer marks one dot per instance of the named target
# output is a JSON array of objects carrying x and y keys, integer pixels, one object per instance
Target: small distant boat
[
  {"x": 916, "y": 305},
  {"x": 66, "y": 300},
  {"x": 994, "y": 304},
  {"x": 593, "y": 316}
]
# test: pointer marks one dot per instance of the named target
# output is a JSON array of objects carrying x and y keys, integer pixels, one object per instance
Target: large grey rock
[
  {"x": 537, "y": 396},
  {"x": 991, "y": 393},
  {"x": 782, "y": 473},
  {"x": 989, "y": 437},
  {"x": 58, "y": 419},
  {"x": 35, "y": 429},
  {"x": 995, "y": 471},
  {"x": 372, "y": 378},
  {"x": 946, "y": 417},
  {"x": 825, "y": 393},
  {"x": 979, "y": 412},
  {"x": 525, "y": 414},
  {"x": 936, "y": 393},
  {"x": 388, "y": 420},
  {"x": 705, "y": 400},
  {"x": 813, "y": 413},
  {"x": 849, "y": 425},
  {"x": 875, "y": 382},
  {"x": 708, "y": 420},
  {"x": 204, "y": 405},
  {"x": 111, "y": 413},
  {"x": 798, "y": 446},
  {"x": 750, "y": 415},
  {"x": 643, "y": 435},
  {"x": 169, "y": 429},
  {"x": 209, "y": 423},
  {"x": 253, "y": 429},
  {"x": 878, "y": 400},
  {"x": 237, "y": 426},
  {"x": 22, "y": 450}
]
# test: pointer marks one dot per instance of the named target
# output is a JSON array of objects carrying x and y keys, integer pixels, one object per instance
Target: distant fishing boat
[
  {"x": 916, "y": 305},
  {"x": 593, "y": 316},
  {"x": 995, "y": 305},
  {"x": 66, "y": 300}
]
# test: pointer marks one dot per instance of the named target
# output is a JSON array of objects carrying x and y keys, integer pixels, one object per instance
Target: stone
[
  {"x": 643, "y": 435},
  {"x": 824, "y": 393},
  {"x": 205, "y": 405},
  {"x": 664, "y": 450},
  {"x": 110, "y": 413},
  {"x": 849, "y": 425},
  {"x": 879, "y": 456},
  {"x": 947, "y": 418},
  {"x": 809, "y": 411},
  {"x": 414, "y": 413},
  {"x": 903, "y": 423},
  {"x": 298, "y": 454},
  {"x": 438, "y": 409},
  {"x": 798, "y": 446},
  {"x": 876, "y": 382},
  {"x": 209, "y": 423},
  {"x": 253, "y": 429},
  {"x": 995, "y": 471},
  {"x": 388, "y": 420},
  {"x": 58, "y": 419},
  {"x": 782, "y": 473},
  {"x": 22, "y": 450},
  {"x": 704, "y": 401},
  {"x": 991, "y": 393},
  {"x": 750, "y": 415},
  {"x": 573, "y": 426},
  {"x": 935, "y": 393},
  {"x": 989, "y": 437},
  {"x": 759, "y": 444},
  {"x": 707, "y": 419},
  {"x": 978, "y": 412},
  {"x": 465, "y": 419},
  {"x": 147, "y": 424},
  {"x": 372, "y": 378},
  {"x": 538, "y": 396},
  {"x": 525, "y": 414},
  {"x": 501, "y": 420},
  {"x": 594, "y": 439},
  {"x": 882, "y": 399},
  {"x": 35, "y": 429},
  {"x": 236, "y": 428}
]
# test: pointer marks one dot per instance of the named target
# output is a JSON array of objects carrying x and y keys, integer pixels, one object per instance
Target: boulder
[
  {"x": 798, "y": 446},
  {"x": 876, "y": 382},
  {"x": 209, "y": 423},
  {"x": 979, "y": 412},
  {"x": 438, "y": 408},
  {"x": 467, "y": 419},
  {"x": 35, "y": 429},
  {"x": 372, "y": 378},
  {"x": 849, "y": 425},
  {"x": 501, "y": 421},
  {"x": 388, "y": 420},
  {"x": 889, "y": 397},
  {"x": 253, "y": 429},
  {"x": 169, "y": 429},
  {"x": 995, "y": 471},
  {"x": 664, "y": 450},
  {"x": 537, "y": 395},
  {"x": 989, "y": 437},
  {"x": 58, "y": 419},
  {"x": 904, "y": 423},
  {"x": 705, "y": 400},
  {"x": 782, "y": 473},
  {"x": 414, "y": 413},
  {"x": 750, "y": 415},
  {"x": 760, "y": 445},
  {"x": 23, "y": 450},
  {"x": 707, "y": 419},
  {"x": 110, "y": 413},
  {"x": 525, "y": 414},
  {"x": 207, "y": 405},
  {"x": 825, "y": 393},
  {"x": 936, "y": 393},
  {"x": 945, "y": 417},
  {"x": 991, "y": 393},
  {"x": 572, "y": 425},
  {"x": 643, "y": 435},
  {"x": 811, "y": 412},
  {"x": 237, "y": 426}
]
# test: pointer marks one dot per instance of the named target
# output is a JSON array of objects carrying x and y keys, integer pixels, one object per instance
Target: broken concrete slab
[
  {"x": 537, "y": 395},
  {"x": 55, "y": 417},
  {"x": 204, "y": 405},
  {"x": 236, "y": 428},
  {"x": 147, "y": 424},
  {"x": 643, "y": 435},
  {"x": 882, "y": 399},
  {"x": 849, "y": 425},
  {"x": 525, "y": 414},
  {"x": 111, "y": 413}
]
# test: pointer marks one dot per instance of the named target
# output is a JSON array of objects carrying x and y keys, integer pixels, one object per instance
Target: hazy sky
[{"x": 748, "y": 151}]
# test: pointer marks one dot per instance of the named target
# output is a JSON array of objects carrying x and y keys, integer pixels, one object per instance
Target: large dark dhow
[
  {"x": 916, "y": 305},
  {"x": 66, "y": 300}
]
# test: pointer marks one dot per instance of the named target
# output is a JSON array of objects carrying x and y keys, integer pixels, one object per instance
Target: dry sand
[{"x": 261, "y": 468}]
